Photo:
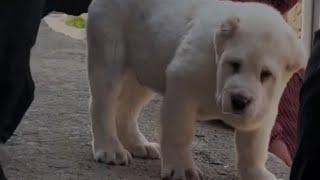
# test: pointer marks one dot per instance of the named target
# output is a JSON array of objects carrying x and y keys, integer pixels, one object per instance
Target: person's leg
[
  {"x": 2, "y": 177},
  {"x": 18, "y": 31},
  {"x": 307, "y": 158},
  {"x": 19, "y": 27},
  {"x": 72, "y": 7}
]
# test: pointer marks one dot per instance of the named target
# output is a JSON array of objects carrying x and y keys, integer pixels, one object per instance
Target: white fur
[{"x": 181, "y": 49}]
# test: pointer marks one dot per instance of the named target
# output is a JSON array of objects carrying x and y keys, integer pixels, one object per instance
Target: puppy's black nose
[{"x": 239, "y": 102}]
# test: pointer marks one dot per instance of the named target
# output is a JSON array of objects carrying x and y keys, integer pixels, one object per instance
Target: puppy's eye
[
  {"x": 235, "y": 66},
  {"x": 265, "y": 75}
]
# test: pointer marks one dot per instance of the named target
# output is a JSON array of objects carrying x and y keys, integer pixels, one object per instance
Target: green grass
[{"x": 77, "y": 22}]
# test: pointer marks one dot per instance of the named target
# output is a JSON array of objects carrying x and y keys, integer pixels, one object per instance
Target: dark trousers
[
  {"x": 18, "y": 30},
  {"x": 2, "y": 177},
  {"x": 19, "y": 26},
  {"x": 307, "y": 161}
]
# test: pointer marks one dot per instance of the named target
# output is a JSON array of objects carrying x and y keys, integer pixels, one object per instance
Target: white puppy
[{"x": 209, "y": 59}]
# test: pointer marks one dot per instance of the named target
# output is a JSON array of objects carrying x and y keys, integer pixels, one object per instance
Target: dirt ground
[{"x": 53, "y": 141}]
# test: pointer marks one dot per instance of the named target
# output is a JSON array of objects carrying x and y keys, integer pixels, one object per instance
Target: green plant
[{"x": 76, "y": 21}]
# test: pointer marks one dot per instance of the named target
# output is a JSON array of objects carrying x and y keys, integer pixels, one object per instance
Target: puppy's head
[{"x": 255, "y": 56}]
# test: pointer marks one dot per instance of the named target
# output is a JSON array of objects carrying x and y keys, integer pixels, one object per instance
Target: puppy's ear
[
  {"x": 226, "y": 31},
  {"x": 298, "y": 61},
  {"x": 295, "y": 66}
]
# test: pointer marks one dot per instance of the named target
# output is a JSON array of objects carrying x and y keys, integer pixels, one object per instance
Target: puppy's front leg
[
  {"x": 252, "y": 147},
  {"x": 178, "y": 118}
]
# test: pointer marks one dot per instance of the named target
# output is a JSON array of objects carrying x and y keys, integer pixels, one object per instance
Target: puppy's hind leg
[
  {"x": 106, "y": 56},
  {"x": 131, "y": 100}
]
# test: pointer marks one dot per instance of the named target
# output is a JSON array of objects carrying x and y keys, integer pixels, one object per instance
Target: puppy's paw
[
  {"x": 146, "y": 150},
  {"x": 257, "y": 174},
  {"x": 181, "y": 173},
  {"x": 112, "y": 154}
]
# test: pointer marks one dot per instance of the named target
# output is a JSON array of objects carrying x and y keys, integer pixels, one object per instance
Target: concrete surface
[
  {"x": 53, "y": 141},
  {"x": 57, "y": 22}
]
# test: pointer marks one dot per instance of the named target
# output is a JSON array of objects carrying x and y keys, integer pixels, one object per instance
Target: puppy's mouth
[
  {"x": 233, "y": 113},
  {"x": 227, "y": 109}
]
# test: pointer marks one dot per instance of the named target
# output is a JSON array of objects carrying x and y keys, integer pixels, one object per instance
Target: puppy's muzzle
[{"x": 235, "y": 102}]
